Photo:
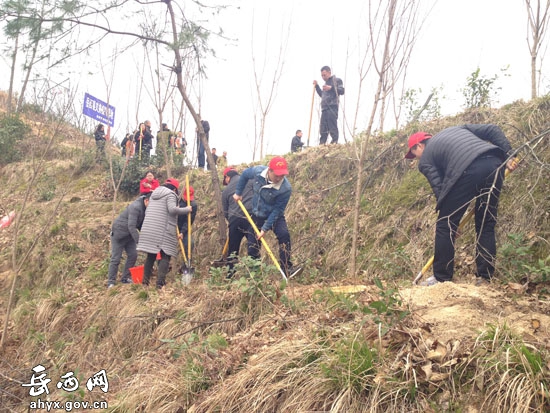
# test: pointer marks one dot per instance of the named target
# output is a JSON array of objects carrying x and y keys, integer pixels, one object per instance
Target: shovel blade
[{"x": 186, "y": 278}]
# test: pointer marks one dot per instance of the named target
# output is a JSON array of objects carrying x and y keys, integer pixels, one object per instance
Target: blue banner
[{"x": 98, "y": 110}]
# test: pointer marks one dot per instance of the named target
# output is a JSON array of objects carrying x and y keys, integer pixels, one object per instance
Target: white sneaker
[{"x": 429, "y": 282}]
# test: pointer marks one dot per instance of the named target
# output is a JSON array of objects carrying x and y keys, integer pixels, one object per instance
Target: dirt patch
[{"x": 455, "y": 310}]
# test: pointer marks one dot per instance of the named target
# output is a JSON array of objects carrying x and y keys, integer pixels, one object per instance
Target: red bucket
[{"x": 137, "y": 274}]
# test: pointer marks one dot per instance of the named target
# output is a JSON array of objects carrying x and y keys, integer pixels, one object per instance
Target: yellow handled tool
[
  {"x": 257, "y": 231},
  {"x": 188, "y": 221},
  {"x": 311, "y": 115},
  {"x": 181, "y": 244}
]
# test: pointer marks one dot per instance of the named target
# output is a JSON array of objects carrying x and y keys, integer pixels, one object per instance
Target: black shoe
[
  {"x": 127, "y": 281},
  {"x": 295, "y": 271}
]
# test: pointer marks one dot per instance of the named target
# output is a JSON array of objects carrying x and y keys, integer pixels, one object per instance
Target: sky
[{"x": 455, "y": 39}]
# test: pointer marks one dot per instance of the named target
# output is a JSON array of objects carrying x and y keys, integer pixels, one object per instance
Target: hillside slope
[{"x": 257, "y": 345}]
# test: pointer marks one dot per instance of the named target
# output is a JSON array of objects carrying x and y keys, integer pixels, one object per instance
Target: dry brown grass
[{"x": 219, "y": 347}]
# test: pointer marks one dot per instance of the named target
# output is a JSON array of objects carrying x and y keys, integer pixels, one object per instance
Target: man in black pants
[
  {"x": 461, "y": 164},
  {"x": 239, "y": 226},
  {"x": 332, "y": 89}
]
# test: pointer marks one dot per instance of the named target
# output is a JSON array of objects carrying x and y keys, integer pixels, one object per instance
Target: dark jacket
[
  {"x": 296, "y": 144},
  {"x": 130, "y": 220},
  {"x": 99, "y": 134},
  {"x": 450, "y": 152},
  {"x": 206, "y": 127},
  {"x": 231, "y": 209},
  {"x": 268, "y": 202},
  {"x": 182, "y": 219},
  {"x": 329, "y": 98},
  {"x": 147, "y": 138}
]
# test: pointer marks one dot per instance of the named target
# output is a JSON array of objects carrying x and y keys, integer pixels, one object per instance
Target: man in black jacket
[
  {"x": 296, "y": 143},
  {"x": 124, "y": 237},
  {"x": 239, "y": 226},
  {"x": 332, "y": 89},
  {"x": 461, "y": 164}
]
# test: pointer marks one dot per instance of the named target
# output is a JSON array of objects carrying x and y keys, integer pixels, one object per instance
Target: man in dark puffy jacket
[
  {"x": 124, "y": 237},
  {"x": 461, "y": 164},
  {"x": 330, "y": 98},
  {"x": 271, "y": 193},
  {"x": 239, "y": 227}
]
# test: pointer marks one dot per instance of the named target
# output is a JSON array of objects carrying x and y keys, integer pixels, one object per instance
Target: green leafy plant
[
  {"x": 387, "y": 311},
  {"x": 480, "y": 90},
  {"x": 516, "y": 260},
  {"x": 12, "y": 132},
  {"x": 350, "y": 363}
]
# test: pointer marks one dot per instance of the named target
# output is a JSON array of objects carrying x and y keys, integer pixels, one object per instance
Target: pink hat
[
  {"x": 278, "y": 165},
  {"x": 415, "y": 139}
]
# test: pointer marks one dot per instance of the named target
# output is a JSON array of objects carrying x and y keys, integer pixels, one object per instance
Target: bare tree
[
  {"x": 392, "y": 33},
  {"x": 538, "y": 17},
  {"x": 186, "y": 39},
  {"x": 273, "y": 72}
]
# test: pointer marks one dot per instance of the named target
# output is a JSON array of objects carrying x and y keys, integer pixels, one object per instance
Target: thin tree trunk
[
  {"x": 222, "y": 228},
  {"x": 12, "y": 75}
]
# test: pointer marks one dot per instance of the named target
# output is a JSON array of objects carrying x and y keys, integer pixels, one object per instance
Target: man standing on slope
[
  {"x": 271, "y": 193},
  {"x": 239, "y": 226},
  {"x": 332, "y": 89},
  {"x": 463, "y": 163}
]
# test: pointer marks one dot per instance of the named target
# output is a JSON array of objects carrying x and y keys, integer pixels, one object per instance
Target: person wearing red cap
[
  {"x": 158, "y": 232},
  {"x": 239, "y": 227},
  {"x": 271, "y": 193},
  {"x": 461, "y": 164}
]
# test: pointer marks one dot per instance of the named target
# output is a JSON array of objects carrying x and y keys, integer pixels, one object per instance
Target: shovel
[
  {"x": 191, "y": 270},
  {"x": 186, "y": 275},
  {"x": 223, "y": 260},
  {"x": 257, "y": 231}
]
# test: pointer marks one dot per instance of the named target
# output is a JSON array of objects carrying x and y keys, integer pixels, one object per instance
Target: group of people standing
[
  {"x": 149, "y": 223},
  {"x": 462, "y": 164}
]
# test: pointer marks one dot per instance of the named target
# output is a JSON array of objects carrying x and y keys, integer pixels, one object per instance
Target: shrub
[{"x": 12, "y": 131}]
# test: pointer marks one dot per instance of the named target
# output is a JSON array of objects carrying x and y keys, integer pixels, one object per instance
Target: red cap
[
  {"x": 173, "y": 181},
  {"x": 228, "y": 169},
  {"x": 415, "y": 139},
  {"x": 191, "y": 194},
  {"x": 278, "y": 165}
]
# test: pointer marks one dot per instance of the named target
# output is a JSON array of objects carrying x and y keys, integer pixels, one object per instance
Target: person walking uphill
[
  {"x": 271, "y": 193},
  {"x": 461, "y": 164},
  {"x": 125, "y": 236},
  {"x": 158, "y": 233},
  {"x": 332, "y": 89}
]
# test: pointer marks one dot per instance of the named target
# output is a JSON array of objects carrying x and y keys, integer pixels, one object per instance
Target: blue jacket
[{"x": 268, "y": 202}]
